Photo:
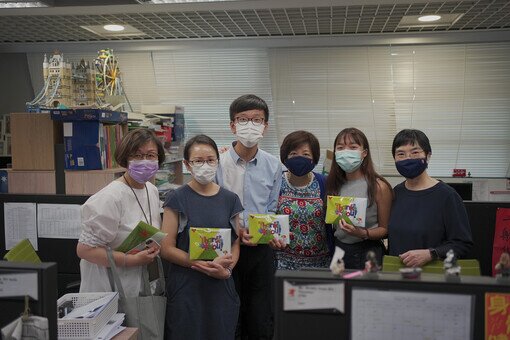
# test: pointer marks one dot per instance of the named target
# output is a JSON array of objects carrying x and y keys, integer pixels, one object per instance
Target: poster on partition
[{"x": 497, "y": 316}]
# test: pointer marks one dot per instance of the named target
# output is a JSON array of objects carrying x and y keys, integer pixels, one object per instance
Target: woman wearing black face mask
[
  {"x": 428, "y": 217},
  {"x": 302, "y": 198}
]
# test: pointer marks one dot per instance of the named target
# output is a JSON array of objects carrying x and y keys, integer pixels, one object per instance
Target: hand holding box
[{"x": 352, "y": 210}]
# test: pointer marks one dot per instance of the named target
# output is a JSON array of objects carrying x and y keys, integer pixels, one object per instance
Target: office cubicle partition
[
  {"x": 62, "y": 251},
  {"x": 315, "y": 304}
]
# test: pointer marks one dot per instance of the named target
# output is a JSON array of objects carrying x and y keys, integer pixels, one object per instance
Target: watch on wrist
[{"x": 433, "y": 253}]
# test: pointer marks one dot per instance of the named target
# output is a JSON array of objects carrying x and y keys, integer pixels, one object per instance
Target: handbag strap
[
  {"x": 146, "y": 290},
  {"x": 113, "y": 275}
]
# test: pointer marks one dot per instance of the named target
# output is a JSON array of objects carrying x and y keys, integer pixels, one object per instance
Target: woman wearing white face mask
[
  {"x": 353, "y": 174},
  {"x": 206, "y": 285}
]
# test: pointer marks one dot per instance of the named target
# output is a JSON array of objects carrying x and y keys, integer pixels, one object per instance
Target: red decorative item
[
  {"x": 501, "y": 236},
  {"x": 459, "y": 173}
]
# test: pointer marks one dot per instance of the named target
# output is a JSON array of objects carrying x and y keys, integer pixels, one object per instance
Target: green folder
[
  {"x": 469, "y": 267},
  {"x": 22, "y": 252},
  {"x": 139, "y": 234}
]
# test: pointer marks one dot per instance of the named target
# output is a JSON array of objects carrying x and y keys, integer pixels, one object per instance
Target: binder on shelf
[
  {"x": 90, "y": 145},
  {"x": 105, "y": 116}
]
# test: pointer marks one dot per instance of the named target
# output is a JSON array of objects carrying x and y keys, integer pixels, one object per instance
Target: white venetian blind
[
  {"x": 206, "y": 81},
  {"x": 457, "y": 94}
]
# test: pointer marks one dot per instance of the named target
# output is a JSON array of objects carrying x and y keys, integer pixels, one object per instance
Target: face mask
[
  {"x": 348, "y": 160},
  {"x": 299, "y": 165},
  {"x": 142, "y": 170},
  {"x": 249, "y": 134},
  {"x": 411, "y": 168},
  {"x": 204, "y": 174}
]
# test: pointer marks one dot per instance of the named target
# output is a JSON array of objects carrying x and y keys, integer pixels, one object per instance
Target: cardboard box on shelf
[
  {"x": 91, "y": 181},
  {"x": 31, "y": 182},
  {"x": 33, "y": 137}
]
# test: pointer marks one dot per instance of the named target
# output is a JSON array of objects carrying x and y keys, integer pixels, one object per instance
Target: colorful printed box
[
  {"x": 265, "y": 227},
  {"x": 209, "y": 243},
  {"x": 352, "y": 209}
]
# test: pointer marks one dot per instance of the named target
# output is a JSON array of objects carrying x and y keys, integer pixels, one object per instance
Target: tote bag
[{"x": 146, "y": 311}]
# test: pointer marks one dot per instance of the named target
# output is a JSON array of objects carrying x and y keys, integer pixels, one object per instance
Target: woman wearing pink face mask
[{"x": 111, "y": 214}]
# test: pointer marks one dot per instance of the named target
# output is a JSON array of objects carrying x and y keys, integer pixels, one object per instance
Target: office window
[{"x": 456, "y": 94}]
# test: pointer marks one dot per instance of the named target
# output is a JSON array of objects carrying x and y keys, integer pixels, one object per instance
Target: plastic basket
[{"x": 85, "y": 328}]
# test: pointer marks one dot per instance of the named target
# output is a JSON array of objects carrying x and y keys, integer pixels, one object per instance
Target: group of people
[{"x": 232, "y": 295}]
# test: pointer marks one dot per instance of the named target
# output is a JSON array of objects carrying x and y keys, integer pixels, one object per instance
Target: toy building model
[
  {"x": 83, "y": 84},
  {"x": 67, "y": 85}
]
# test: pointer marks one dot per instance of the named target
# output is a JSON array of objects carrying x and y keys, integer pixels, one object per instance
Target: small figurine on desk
[
  {"x": 337, "y": 265},
  {"x": 371, "y": 265},
  {"x": 503, "y": 268},
  {"x": 451, "y": 268}
]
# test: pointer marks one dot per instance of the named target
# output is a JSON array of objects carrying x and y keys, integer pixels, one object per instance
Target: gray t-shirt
[
  {"x": 357, "y": 188},
  {"x": 216, "y": 211}
]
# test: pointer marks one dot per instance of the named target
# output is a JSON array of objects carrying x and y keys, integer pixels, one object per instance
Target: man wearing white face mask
[{"x": 255, "y": 176}]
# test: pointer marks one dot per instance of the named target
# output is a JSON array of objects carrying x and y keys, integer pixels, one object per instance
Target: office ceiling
[{"x": 242, "y": 19}]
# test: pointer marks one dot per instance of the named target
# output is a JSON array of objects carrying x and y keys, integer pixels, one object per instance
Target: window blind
[{"x": 456, "y": 94}]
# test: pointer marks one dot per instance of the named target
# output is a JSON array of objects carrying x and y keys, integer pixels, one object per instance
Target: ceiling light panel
[{"x": 267, "y": 22}]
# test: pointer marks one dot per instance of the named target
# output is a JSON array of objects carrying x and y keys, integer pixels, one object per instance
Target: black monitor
[
  {"x": 46, "y": 303},
  {"x": 465, "y": 190}
]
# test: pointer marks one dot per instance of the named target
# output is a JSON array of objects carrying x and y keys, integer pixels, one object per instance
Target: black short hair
[
  {"x": 411, "y": 137},
  {"x": 134, "y": 140},
  {"x": 248, "y": 102},
  {"x": 200, "y": 139},
  {"x": 297, "y": 138}
]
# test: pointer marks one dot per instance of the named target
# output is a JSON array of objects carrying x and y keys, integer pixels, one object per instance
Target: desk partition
[{"x": 383, "y": 307}]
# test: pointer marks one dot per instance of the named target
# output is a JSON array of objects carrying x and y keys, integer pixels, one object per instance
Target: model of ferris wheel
[{"x": 108, "y": 81}]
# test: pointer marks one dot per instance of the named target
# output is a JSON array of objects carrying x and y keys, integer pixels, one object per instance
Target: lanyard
[{"x": 138, "y": 201}]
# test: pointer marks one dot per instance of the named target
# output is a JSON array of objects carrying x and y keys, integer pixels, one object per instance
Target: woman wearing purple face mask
[
  {"x": 302, "y": 198},
  {"x": 111, "y": 214},
  {"x": 428, "y": 217}
]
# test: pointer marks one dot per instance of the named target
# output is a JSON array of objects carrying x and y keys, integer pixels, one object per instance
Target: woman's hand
[
  {"x": 225, "y": 261},
  {"x": 352, "y": 230},
  {"x": 212, "y": 269},
  {"x": 416, "y": 258},
  {"x": 143, "y": 257},
  {"x": 277, "y": 244},
  {"x": 246, "y": 237}
]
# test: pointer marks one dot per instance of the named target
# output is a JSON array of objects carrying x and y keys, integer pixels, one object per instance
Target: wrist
[
  {"x": 229, "y": 272},
  {"x": 433, "y": 254},
  {"x": 364, "y": 233}
]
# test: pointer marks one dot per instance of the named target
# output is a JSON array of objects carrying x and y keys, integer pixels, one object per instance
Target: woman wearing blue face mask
[
  {"x": 428, "y": 217},
  {"x": 302, "y": 198},
  {"x": 353, "y": 174},
  {"x": 112, "y": 213}
]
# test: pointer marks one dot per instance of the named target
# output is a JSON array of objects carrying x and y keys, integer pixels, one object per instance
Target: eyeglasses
[
  {"x": 200, "y": 162},
  {"x": 255, "y": 121},
  {"x": 148, "y": 156},
  {"x": 418, "y": 153}
]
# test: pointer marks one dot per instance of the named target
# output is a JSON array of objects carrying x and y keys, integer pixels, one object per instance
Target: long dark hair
[{"x": 337, "y": 177}]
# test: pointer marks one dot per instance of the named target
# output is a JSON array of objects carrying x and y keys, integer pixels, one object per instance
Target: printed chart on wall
[
  {"x": 413, "y": 315},
  {"x": 59, "y": 220},
  {"x": 20, "y": 223}
]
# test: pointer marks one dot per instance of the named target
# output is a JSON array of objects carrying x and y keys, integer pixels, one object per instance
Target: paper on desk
[
  {"x": 59, "y": 221},
  {"x": 91, "y": 310},
  {"x": 19, "y": 285},
  {"x": 313, "y": 296},
  {"x": 20, "y": 223},
  {"x": 112, "y": 327}
]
